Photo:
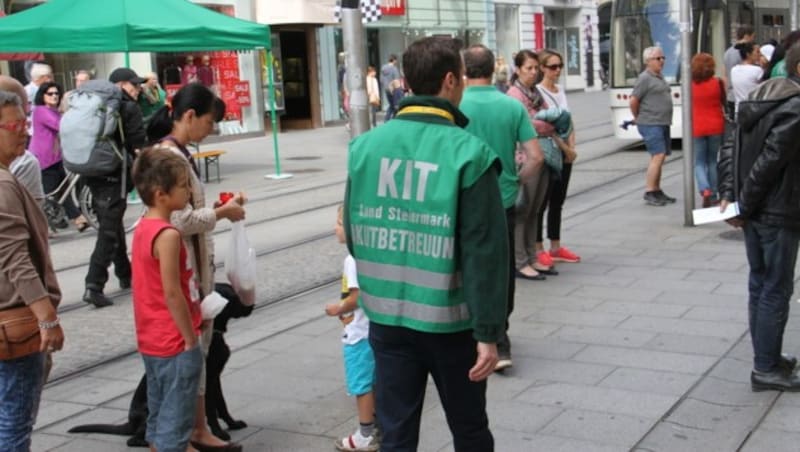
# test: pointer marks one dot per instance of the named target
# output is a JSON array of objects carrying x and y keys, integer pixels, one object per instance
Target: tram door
[{"x": 772, "y": 24}]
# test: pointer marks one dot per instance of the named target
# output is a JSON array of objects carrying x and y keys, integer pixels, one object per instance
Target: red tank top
[
  {"x": 707, "y": 108},
  {"x": 156, "y": 331}
]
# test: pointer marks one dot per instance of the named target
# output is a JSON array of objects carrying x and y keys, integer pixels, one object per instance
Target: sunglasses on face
[
  {"x": 554, "y": 67},
  {"x": 14, "y": 126},
  {"x": 52, "y": 93}
]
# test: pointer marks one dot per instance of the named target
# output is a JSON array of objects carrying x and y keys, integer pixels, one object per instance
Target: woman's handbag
[
  {"x": 552, "y": 154},
  {"x": 19, "y": 333}
]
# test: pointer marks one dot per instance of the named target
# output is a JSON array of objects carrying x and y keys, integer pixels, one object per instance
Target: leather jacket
[{"x": 759, "y": 162}]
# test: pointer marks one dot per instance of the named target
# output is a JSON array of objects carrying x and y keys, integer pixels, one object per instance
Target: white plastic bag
[
  {"x": 240, "y": 264},
  {"x": 212, "y": 305}
]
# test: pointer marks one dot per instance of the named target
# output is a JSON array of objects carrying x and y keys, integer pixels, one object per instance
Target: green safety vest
[{"x": 405, "y": 178}]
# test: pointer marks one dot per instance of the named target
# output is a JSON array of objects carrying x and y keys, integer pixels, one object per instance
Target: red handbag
[{"x": 19, "y": 333}]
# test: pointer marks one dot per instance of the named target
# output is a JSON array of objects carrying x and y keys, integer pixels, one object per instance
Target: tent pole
[
  {"x": 127, "y": 59},
  {"x": 274, "y": 120}
]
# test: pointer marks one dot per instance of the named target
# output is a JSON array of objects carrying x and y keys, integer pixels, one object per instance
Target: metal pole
[
  {"x": 793, "y": 14},
  {"x": 356, "y": 67},
  {"x": 686, "y": 95}
]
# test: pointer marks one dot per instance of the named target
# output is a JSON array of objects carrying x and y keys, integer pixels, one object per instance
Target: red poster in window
[
  {"x": 242, "y": 90},
  {"x": 538, "y": 31},
  {"x": 171, "y": 90},
  {"x": 393, "y": 7}
]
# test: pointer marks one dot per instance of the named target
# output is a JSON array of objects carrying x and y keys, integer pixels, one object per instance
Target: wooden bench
[{"x": 209, "y": 158}]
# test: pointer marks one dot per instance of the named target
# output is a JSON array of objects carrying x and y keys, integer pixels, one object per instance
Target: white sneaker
[
  {"x": 502, "y": 364},
  {"x": 357, "y": 443}
]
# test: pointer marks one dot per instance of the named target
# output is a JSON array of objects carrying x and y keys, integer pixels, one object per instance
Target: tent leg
[{"x": 274, "y": 121}]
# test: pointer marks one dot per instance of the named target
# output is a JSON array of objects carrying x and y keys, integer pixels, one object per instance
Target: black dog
[{"x": 216, "y": 408}]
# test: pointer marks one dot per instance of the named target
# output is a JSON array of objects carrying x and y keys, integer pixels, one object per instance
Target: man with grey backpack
[{"x": 101, "y": 132}]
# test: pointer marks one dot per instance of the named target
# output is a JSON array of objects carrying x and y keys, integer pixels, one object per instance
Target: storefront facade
[
  {"x": 568, "y": 26},
  {"x": 235, "y": 76}
]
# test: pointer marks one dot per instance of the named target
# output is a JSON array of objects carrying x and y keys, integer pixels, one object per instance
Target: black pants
[
  {"x": 109, "y": 205},
  {"x": 51, "y": 177},
  {"x": 554, "y": 203},
  {"x": 504, "y": 344},
  {"x": 403, "y": 360}
]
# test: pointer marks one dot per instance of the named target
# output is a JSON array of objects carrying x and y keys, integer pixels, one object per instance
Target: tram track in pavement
[{"x": 328, "y": 278}]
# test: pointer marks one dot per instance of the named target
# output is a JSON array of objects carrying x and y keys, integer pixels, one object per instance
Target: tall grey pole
[
  {"x": 793, "y": 14},
  {"x": 356, "y": 67},
  {"x": 686, "y": 95}
]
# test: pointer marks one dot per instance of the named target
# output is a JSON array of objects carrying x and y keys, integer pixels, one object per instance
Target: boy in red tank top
[{"x": 166, "y": 315}]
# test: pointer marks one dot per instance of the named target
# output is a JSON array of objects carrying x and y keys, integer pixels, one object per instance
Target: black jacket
[
  {"x": 132, "y": 124},
  {"x": 759, "y": 163}
]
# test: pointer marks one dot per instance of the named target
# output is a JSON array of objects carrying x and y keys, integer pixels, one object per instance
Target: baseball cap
[
  {"x": 124, "y": 74},
  {"x": 767, "y": 50}
]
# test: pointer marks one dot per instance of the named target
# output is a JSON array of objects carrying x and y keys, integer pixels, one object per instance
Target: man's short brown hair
[{"x": 427, "y": 61}]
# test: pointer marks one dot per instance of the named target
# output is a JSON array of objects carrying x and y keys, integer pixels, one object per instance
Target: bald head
[
  {"x": 12, "y": 85},
  {"x": 478, "y": 62}
]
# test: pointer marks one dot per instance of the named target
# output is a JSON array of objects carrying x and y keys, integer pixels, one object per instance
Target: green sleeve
[
  {"x": 525, "y": 131},
  {"x": 483, "y": 242}
]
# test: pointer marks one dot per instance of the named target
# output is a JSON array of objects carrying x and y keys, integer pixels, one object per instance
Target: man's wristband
[{"x": 49, "y": 325}]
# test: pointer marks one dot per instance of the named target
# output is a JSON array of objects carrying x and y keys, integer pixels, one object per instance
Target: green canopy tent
[{"x": 95, "y": 26}]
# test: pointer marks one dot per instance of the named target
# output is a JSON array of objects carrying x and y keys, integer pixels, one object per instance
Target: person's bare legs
[
  {"x": 366, "y": 408},
  {"x": 201, "y": 434},
  {"x": 653, "y": 180}
]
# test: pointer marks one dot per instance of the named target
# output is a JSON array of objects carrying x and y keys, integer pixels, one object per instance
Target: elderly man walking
[{"x": 651, "y": 106}]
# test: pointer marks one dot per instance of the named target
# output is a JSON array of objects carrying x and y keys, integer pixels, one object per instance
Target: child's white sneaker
[{"x": 357, "y": 443}]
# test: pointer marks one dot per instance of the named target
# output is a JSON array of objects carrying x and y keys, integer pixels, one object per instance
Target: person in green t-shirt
[
  {"x": 503, "y": 123},
  {"x": 152, "y": 97}
]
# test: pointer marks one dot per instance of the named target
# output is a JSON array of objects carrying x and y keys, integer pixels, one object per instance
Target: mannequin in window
[
  {"x": 189, "y": 74},
  {"x": 205, "y": 73}
]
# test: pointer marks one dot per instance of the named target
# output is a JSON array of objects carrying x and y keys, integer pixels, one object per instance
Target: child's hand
[
  {"x": 333, "y": 309},
  {"x": 240, "y": 198},
  {"x": 188, "y": 345}
]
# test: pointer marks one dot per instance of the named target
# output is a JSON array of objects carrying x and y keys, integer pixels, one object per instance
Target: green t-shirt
[
  {"x": 501, "y": 122},
  {"x": 779, "y": 70}
]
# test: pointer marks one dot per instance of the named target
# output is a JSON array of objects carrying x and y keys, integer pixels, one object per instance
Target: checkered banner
[{"x": 370, "y": 11}]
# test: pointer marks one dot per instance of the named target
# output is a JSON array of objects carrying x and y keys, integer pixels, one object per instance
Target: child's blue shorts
[{"x": 359, "y": 367}]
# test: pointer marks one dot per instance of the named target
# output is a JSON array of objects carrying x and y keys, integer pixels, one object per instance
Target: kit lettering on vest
[
  {"x": 387, "y": 181},
  {"x": 401, "y": 240}
]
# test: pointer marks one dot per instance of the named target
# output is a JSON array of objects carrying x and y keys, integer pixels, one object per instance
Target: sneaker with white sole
[{"x": 357, "y": 443}]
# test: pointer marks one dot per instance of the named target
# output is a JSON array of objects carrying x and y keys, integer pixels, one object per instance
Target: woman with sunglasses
[
  {"x": 551, "y": 63},
  {"x": 46, "y": 146},
  {"x": 530, "y": 264}
]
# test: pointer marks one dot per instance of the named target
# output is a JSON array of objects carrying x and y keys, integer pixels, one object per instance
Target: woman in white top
[
  {"x": 373, "y": 94},
  {"x": 551, "y": 63},
  {"x": 746, "y": 75}
]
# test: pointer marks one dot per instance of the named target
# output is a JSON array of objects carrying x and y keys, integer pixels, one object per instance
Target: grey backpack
[{"x": 88, "y": 127}]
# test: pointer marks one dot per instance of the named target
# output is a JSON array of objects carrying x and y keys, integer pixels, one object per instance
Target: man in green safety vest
[{"x": 425, "y": 222}]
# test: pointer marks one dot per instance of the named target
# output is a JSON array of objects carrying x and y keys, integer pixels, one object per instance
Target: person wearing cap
[{"x": 107, "y": 200}]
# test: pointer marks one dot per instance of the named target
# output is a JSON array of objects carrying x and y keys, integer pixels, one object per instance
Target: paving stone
[
  {"x": 509, "y": 441},
  {"x": 669, "y": 437},
  {"x": 678, "y": 286},
  {"x": 44, "y": 441},
  {"x": 716, "y": 276},
  {"x": 721, "y": 419},
  {"x": 603, "y": 336},
  {"x": 648, "y": 272},
  {"x": 543, "y": 289},
  {"x": 281, "y": 342},
  {"x": 643, "y": 380},
  {"x": 532, "y": 330},
  {"x": 92, "y": 445},
  {"x": 599, "y": 427},
  {"x": 94, "y": 416},
  {"x": 765, "y": 439},
  {"x": 681, "y": 326},
  {"x": 593, "y": 398},
  {"x": 734, "y": 289},
  {"x": 558, "y": 371},
  {"x": 577, "y": 318},
  {"x": 728, "y": 393},
  {"x": 644, "y": 359},
  {"x": 281, "y": 386},
  {"x": 273, "y": 440},
  {"x": 702, "y": 299},
  {"x": 694, "y": 264},
  {"x": 721, "y": 314},
  {"x": 504, "y": 386},
  {"x": 314, "y": 417},
  {"x": 607, "y": 280},
  {"x": 633, "y": 261},
  {"x": 245, "y": 357},
  {"x": 642, "y": 308},
  {"x": 521, "y": 417},
  {"x": 783, "y": 417},
  {"x": 608, "y": 293},
  {"x": 732, "y": 370},
  {"x": 564, "y": 303},
  {"x": 52, "y": 411},
  {"x": 548, "y": 348}
]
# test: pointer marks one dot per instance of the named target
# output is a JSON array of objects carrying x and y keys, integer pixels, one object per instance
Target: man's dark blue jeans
[
  {"x": 21, "y": 382},
  {"x": 771, "y": 253}
]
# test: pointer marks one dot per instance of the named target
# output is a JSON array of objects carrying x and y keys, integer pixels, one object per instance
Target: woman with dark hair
[
  {"x": 190, "y": 119},
  {"x": 777, "y": 66},
  {"x": 46, "y": 146},
  {"x": 530, "y": 262},
  {"x": 708, "y": 124},
  {"x": 746, "y": 75}
]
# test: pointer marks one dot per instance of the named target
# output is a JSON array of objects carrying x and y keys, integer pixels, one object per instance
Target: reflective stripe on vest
[
  {"x": 415, "y": 311},
  {"x": 415, "y": 276}
]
